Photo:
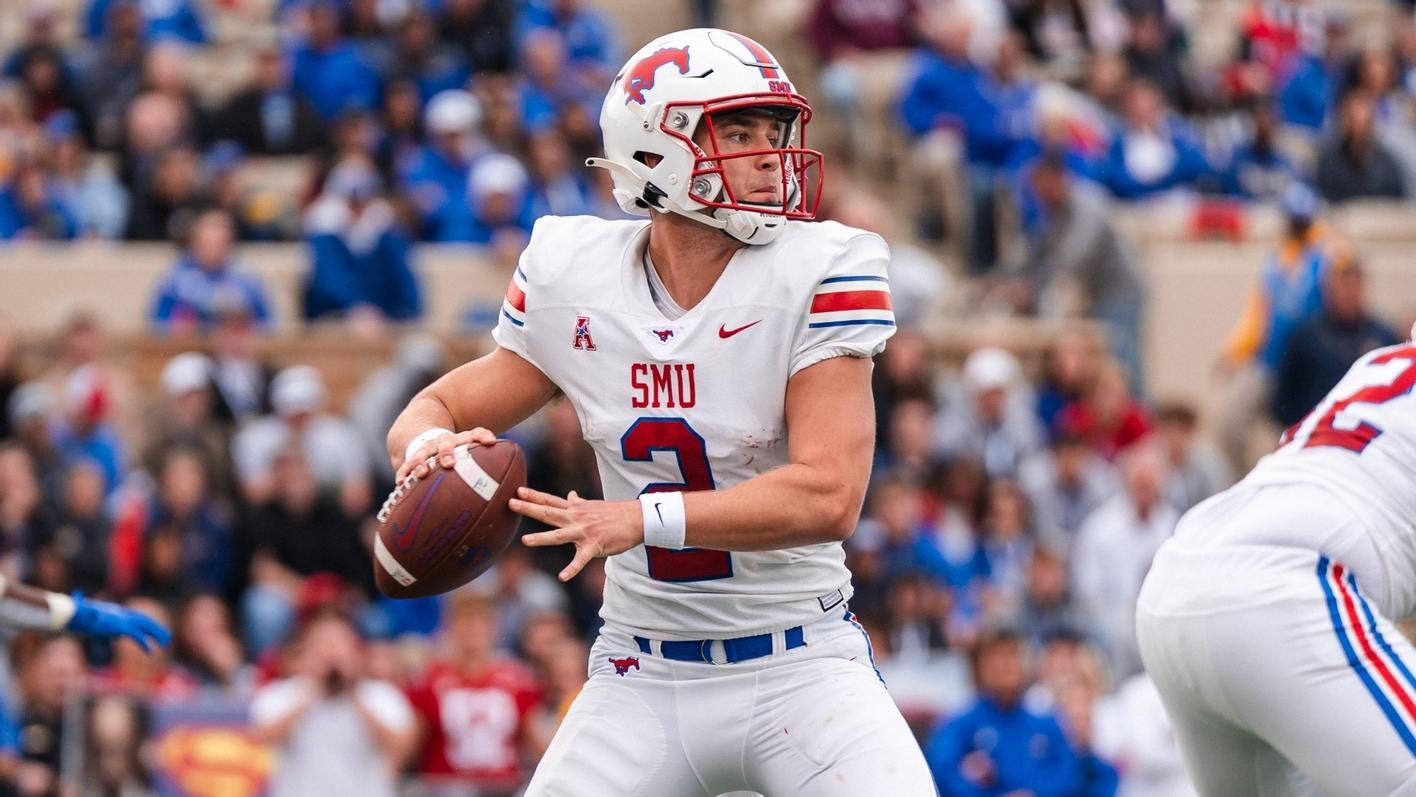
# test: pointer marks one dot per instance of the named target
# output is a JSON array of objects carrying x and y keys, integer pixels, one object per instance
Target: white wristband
[
  {"x": 665, "y": 523},
  {"x": 426, "y": 436}
]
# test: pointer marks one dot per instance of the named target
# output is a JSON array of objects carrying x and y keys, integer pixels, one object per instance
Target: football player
[
  {"x": 1268, "y": 620},
  {"x": 718, "y": 357}
]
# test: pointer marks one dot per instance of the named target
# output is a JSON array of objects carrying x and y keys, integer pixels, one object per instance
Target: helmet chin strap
[{"x": 736, "y": 222}]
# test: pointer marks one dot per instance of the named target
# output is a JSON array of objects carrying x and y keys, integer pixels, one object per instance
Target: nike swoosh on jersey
[{"x": 724, "y": 332}]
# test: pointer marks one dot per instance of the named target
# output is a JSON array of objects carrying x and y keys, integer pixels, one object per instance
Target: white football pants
[
  {"x": 1279, "y": 672},
  {"x": 809, "y": 722}
]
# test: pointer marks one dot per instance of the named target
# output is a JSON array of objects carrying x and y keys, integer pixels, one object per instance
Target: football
[{"x": 443, "y": 530}]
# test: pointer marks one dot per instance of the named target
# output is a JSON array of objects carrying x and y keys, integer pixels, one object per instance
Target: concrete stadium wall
[{"x": 1197, "y": 288}]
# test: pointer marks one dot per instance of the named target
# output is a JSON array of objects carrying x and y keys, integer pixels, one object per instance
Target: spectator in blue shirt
[
  {"x": 436, "y": 177},
  {"x": 1153, "y": 151},
  {"x": 557, "y": 188},
  {"x": 549, "y": 84},
  {"x": 32, "y": 206},
  {"x": 328, "y": 70},
  {"x": 997, "y": 747},
  {"x": 361, "y": 254},
  {"x": 588, "y": 34},
  {"x": 205, "y": 282},
  {"x": 501, "y": 205},
  {"x": 1258, "y": 169},
  {"x": 418, "y": 55},
  {"x": 991, "y": 109},
  {"x": 169, "y": 18},
  {"x": 86, "y": 435}
]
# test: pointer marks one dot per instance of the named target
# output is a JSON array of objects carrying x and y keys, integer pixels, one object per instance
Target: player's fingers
[
  {"x": 154, "y": 629},
  {"x": 552, "y": 537},
  {"x": 446, "y": 445},
  {"x": 544, "y": 499},
  {"x": 551, "y": 516},
  {"x": 482, "y": 437},
  {"x": 574, "y": 498},
  {"x": 583, "y": 554},
  {"x": 139, "y": 638},
  {"x": 417, "y": 465}
]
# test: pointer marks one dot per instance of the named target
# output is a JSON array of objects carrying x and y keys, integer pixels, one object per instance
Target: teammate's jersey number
[
  {"x": 674, "y": 435},
  {"x": 1326, "y": 433}
]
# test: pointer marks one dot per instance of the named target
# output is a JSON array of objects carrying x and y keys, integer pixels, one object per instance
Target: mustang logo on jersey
[
  {"x": 622, "y": 665},
  {"x": 583, "y": 341},
  {"x": 669, "y": 385},
  {"x": 663, "y": 334},
  {"x": 640, "y": 77}
]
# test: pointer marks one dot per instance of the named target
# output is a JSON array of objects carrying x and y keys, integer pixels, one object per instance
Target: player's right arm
[
  {"x": 23, "y": 606},
  {"x": 472, "y": 404}
]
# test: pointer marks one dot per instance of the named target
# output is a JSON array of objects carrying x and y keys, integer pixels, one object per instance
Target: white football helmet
[{"x": 656, "y": 105}]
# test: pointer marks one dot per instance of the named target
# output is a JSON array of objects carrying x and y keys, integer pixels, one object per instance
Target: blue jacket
[
  {"x": 342, "y": 278},
  {"x": 171, "y": 18},
  {"x": 1028, "y": 752},
  {"x": 334, "y": 79},
  {"x": 188, "y": 291},
  {"x": 55, "y": 220},
  {"x": 1190, "y": 166},
  {"x": 1258, "y": 174},
  {"x": 438, "y": 187},
  {"x": 993, "y": 118},
  {"x": 1308, "y": 94},
  {"x": 588, "y": 35},
  {"x": 101, "y": 445}
]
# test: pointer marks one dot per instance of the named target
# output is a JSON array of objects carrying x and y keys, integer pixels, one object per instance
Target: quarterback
[
  {"x": 718, "y": 357},
  {"x": 1267, "y": 621}
]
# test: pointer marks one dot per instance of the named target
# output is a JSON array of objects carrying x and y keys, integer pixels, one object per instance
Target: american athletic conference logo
[{"x": 583, "y": 341}]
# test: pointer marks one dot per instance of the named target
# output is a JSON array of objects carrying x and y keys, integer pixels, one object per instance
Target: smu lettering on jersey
[
  {"x": 697, "y": 402},
  {"x": 1359, "y": 444}
]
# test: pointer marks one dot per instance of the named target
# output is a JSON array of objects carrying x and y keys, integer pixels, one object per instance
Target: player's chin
[{"x": 767, "y": 200}]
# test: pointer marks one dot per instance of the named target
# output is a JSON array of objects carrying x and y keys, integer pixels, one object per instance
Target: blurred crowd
[{"x": 1017, "y": 498}]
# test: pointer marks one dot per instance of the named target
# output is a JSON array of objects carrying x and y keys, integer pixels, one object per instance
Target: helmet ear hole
[{"x": 650, "y": 159}]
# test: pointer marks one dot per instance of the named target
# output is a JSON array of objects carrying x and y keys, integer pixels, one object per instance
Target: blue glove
[{"x": 100, "y": 618}]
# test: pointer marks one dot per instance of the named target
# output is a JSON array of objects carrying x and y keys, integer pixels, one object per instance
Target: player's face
[{"x": 751, "y": 180}]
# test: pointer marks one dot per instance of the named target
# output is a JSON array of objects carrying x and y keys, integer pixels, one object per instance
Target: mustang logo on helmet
[{"x": 640, "y": 77}]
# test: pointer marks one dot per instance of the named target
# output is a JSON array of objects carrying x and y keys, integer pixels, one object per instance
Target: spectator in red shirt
[
  {"x": 1108, "y": 416},
  {"x": 474, "y": 704},
  {"x": 143, "y": 674}
]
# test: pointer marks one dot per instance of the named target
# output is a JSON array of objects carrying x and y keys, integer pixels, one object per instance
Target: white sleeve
[
  {"x": 849, "y": 314},
  {"x": 510, "y": 332},
  {"x": 388, "y": 705},
  {"x": 276, "y": 700}
]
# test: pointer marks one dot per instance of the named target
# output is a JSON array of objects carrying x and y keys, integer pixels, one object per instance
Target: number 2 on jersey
[
  {"x": 1326, "y": 432},
  {"x": 648, "y": 435}
]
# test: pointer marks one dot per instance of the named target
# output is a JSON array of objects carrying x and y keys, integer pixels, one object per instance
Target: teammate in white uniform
[
  {"x": 1267, "y": 620},
  {"x": 718, "y": 358}
]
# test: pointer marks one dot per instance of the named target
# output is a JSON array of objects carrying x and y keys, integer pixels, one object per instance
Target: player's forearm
[
  {"x": 422, "y": 413},
  {"x": 23, "y": 606},
  {"x": 797, "y": 504},
  {"x": 494, "y": 392}
]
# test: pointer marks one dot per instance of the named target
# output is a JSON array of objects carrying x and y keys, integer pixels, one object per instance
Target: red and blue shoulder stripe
[
  {"x": 514, "y": 307},
  {"x": 851, "y": 300}
]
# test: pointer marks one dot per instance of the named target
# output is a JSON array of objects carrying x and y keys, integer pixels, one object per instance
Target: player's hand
[
  {"x": 100, "y": 618},
  {"x": 596, "y": 528},
  {"x": 442, "y": 448}
]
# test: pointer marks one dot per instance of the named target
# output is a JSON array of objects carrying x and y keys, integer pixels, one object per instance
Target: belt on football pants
[{"x": 743, "y": 648}]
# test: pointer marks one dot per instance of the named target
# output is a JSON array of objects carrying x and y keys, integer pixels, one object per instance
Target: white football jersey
[
  {"x": 1359, "y": 443},
  {"x": 697, "y": 402}
]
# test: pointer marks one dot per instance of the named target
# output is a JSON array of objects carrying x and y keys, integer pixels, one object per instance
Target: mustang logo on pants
[{"x": 622, "y": 665}]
